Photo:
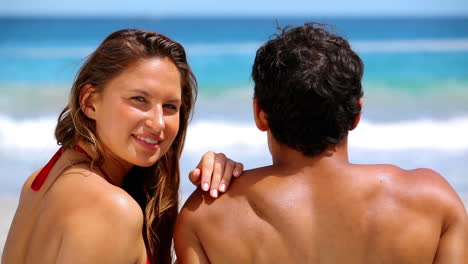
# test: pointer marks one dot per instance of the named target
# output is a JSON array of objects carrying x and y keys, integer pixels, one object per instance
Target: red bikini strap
[
  {"x": 41, "y": 177},
  {"x": 81, "y": 150}
]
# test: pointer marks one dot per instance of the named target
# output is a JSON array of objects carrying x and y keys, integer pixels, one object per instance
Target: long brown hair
[{"x": 155, "y": 188}]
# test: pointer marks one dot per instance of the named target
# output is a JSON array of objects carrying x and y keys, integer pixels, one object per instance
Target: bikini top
[{"x": 42, "y": 176}]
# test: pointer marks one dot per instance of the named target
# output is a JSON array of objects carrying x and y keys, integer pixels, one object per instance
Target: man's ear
[
  {"x": 87, "y": 101},
  {"x": 260, "y": 116},
  {"x": 358, "y": 117}
]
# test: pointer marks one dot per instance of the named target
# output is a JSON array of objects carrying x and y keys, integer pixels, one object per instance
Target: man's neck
[{"x": 337, "y": 155}]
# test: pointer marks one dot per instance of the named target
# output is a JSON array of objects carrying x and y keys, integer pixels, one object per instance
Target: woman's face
[{"x": 137, "y": 112}]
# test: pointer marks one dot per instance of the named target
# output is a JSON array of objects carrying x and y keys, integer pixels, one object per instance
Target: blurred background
[{"x": 415, "y": 83}]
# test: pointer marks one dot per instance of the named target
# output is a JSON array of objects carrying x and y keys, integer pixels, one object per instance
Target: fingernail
[
  {"x": 205, "y": 186},
  {"x": 214, "y": 193},
  {"x": 222, "y": 187},
  {"x": 236, "y": 172}
]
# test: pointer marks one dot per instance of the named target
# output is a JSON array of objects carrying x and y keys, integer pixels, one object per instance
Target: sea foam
[
  {"x": 27, "y": 134},
  {"x": 204, "y": 134}
]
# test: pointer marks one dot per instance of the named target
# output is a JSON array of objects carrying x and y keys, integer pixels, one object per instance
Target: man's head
[{"x": 308, "y": 84}]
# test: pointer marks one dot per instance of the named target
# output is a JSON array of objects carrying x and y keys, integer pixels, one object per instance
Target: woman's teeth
[{"x": 147, "y": 140}]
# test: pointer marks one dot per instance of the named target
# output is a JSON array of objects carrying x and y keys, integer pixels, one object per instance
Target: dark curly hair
[{"x": 308, "y": 83}]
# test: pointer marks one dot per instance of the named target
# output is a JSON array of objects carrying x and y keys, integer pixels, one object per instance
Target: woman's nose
[{"x": 155, "y": 119}]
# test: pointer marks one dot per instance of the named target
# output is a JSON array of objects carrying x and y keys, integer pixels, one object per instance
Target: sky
[{"x": 167, "y": 8}]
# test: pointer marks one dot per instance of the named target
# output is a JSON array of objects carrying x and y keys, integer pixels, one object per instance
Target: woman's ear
[
  {"x": 358, "y": 117},
  {"x": 87, "y": 101},
  {"x": 259, "y": 116}
]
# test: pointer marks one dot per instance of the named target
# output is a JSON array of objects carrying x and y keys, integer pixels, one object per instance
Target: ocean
[{"x": 415, "y": 84}]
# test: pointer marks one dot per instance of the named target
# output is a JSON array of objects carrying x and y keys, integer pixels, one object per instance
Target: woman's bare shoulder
[
  {"x": 97, "y": 219},
  {"x": 94, "y": 218},
  {"x": 79, "y": 191},
  {"x": 100, "y": 221}
]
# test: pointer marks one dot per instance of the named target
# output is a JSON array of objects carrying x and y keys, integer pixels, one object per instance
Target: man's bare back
[
  {"x": 346, "y": 214},
  {"x": 312, "y": 205}
]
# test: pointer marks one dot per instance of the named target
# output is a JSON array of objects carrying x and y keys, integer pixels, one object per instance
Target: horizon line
[{"x": 230, "y": 16}]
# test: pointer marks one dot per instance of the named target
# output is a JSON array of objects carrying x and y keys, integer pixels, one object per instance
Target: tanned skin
[
  {"x": 324, "y": 209},
  {"x": 47, "y": 225}
]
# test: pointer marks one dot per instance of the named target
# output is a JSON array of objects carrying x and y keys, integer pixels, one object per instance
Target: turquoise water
[{"x": 415, "y": 82}]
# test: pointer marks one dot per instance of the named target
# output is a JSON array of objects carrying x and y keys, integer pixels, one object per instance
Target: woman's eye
[
  {"x": 138, "y": 98},
  {"x": 170, "y": 106}
]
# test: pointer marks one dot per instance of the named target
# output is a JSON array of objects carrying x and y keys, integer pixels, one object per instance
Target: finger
[
  {"x": 194, "y": 176},
  {"x": 228, "y": 170},
  {"x": 218, "y": 171},
  {"x": 239, "y": 168},
  {"x": 206, "y": 165}
]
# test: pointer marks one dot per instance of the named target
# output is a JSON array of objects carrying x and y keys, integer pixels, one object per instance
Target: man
[{"x": 312, "y": 205}]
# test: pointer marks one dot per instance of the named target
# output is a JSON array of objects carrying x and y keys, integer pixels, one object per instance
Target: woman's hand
[{"x": 214, "y": 172}]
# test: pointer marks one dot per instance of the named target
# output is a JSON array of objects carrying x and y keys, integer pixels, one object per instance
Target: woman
[{"x": 110, "y": 194}]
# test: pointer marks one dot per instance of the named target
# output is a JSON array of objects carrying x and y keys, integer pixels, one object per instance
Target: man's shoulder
[
  {"x": 420, "y": 187},
  {"x": 206, "y": 225},
  {"x": 425, "y": 183},
  {"x": 195, "y": 203},
  {"x": 436, "y": 189},
  {"x": 200, "y": 205},
  {"x": 396, "y": 177},
  {"x": 257, "y": 191}
]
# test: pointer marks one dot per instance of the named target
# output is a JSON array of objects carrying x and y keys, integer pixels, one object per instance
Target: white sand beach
[{"x": 7, "y": 211}]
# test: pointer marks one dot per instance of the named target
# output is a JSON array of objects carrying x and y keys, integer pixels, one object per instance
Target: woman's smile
[{"x": 148, "y": 141}]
